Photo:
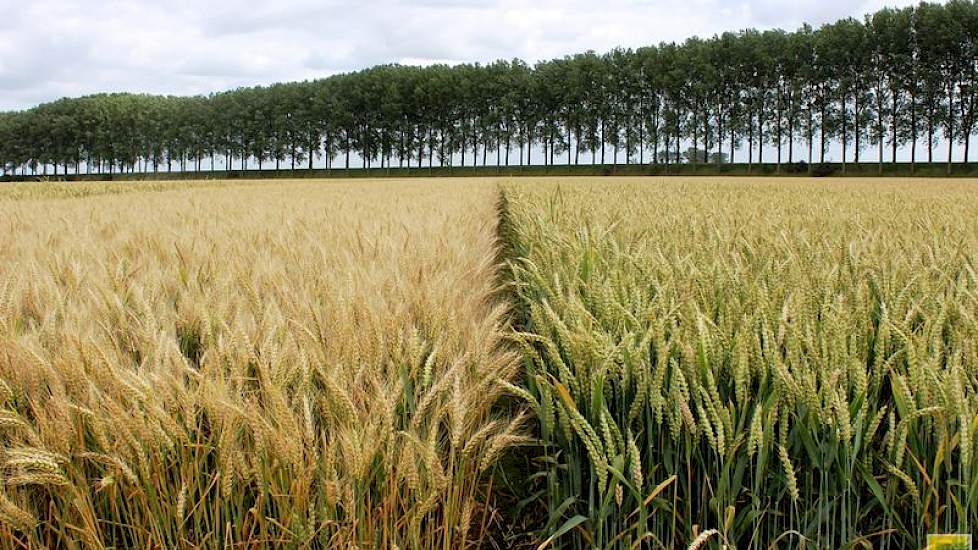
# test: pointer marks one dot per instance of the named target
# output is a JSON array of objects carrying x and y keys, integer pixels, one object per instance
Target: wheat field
[
  {"x": 488, "y": 363},
  {"x": 277, "y": 365},
  {"x": 750, "y": 363},
  {"x": 77, "y": 189}
]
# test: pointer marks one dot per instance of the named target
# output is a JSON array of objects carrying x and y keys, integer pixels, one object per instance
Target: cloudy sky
[{"x": 56, "y": 48}]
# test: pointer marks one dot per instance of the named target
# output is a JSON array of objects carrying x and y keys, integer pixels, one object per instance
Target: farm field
[
  {"x": 496, "y": 362},
  {"x": 281, "y": 365},
  {"x": 65, "y": 190},
  {"x": 751, "y": 363}
]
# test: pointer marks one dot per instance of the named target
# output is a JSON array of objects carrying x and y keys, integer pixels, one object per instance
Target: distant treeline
[
  {"x": 901, "y": 78},
  {"x": 799, "y": 168}
]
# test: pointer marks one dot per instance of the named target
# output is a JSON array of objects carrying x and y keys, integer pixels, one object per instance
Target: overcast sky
[{"x": 56, "y": 48}]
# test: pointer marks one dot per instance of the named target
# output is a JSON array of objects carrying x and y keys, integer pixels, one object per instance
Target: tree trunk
[
  {"x": 719, "y": 135},
  {"x": 822, "y": 143},
  {"x": 930, "y": 136},
  {"x": 655, "y": 137},
  {"x": 950, "y": 126},
  {"x": 845, "y": 126},
  {"x": 760, "y": 135},
  {"x": 641, "y": 141},
  {"x": 811, "y": 137},
  {"x": 879, "y": 132},
  {"x": 779, "y": 136},
  {"x": 750, "y": 142},
  {"x": 628, "y": 145},
  {"x": 678, "y": 139},
  {"x": 855, "y": 129},
  {"x": 602, "y": 142},
  {"x": 441, "y": 149},
  {"x": 913, "y": 133},
  {"x": 553, "y": 139},
  {"x": 577, "y": 146},
  {"x": 894, "y": 130},
  {"x": 733, "y": 139}
]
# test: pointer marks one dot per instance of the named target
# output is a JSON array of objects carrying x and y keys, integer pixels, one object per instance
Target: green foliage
[{"x": 778, "y": 363}]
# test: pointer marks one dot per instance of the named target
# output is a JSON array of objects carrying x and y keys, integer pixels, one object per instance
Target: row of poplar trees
[{"x": 900, "y": 80}]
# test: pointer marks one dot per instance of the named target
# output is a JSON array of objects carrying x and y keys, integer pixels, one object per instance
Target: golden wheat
[{"x": 279, "y": 364}]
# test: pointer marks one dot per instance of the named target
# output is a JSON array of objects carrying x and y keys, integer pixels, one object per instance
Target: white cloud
[{"x": 56, "y": 48}]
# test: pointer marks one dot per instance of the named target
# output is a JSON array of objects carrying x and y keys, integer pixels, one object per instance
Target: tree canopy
[{"x": 900, "y": 78}]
